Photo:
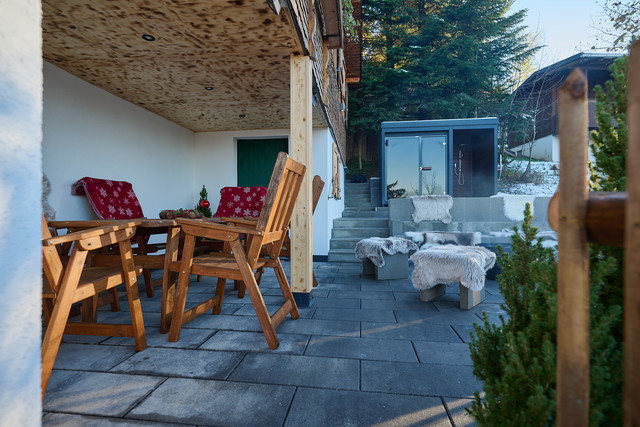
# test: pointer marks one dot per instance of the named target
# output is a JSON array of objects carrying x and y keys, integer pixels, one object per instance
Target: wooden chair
[
  {"x": 242, "y": 257},
  {"x": 317, "y": 186},
  {"x": 74, "y": 282}
]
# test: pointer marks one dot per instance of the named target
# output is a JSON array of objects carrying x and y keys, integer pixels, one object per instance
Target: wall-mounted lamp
[{"x": 208, "y": 88}]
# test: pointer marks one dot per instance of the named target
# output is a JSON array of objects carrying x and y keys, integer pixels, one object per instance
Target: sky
[{"x": 566, "y": 27}]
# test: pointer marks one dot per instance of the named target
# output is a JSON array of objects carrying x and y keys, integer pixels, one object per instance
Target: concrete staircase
[{"x": 360, "y": 220}]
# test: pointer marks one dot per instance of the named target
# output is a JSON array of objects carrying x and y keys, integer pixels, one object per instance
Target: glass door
[
  {"x": 401, "y": 168},
  {"x": 433, "y": 164}
]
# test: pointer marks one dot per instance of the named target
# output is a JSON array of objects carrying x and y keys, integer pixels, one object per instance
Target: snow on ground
[{"x": 544, "y": 183}]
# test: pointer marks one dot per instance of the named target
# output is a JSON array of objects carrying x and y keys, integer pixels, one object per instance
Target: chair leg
[
  {"x": 168, "y": 300},
  {"x": 315, "y": 281},
  {"x": 131, "y": 282},
  {"x": 286, "y": 289},
  {"x": 148, "y": 282},
  {"x": 60, "y": 315},
  {"x": 115, "y": 303},
  {"x": 181, "y": 291},
  {"x": 220, "y": 293},
  {"x": 255, "y": 295}
]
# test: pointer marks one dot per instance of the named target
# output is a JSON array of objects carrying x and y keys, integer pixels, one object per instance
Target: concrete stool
[
  {"x": 386, "y": 257},
  {"x": 439, "y": 266},
  {"x": 468, "y": 298},
  {"x": 395, "y": 267}
]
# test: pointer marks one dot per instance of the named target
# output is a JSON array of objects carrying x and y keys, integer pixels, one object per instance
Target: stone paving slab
[
  {"x": 249, "y": 310},
  {"x": 321, "y": 408},
  {"x": 73, "y": 420},
  {"x": 223, "y": 321},
  {"x": 255, "y": 341},
  {"x": 419, "y": 330},
  {"x": 437, "y": 318},
  {"x": 444, "y": 353},
  {"x": 189, "y": 338},
  {"x": 96, "y": 393},
  {"x": 422, "y": 379},
  {"x": 355, "y": 314},
  {"x": 172, "y": 362},
  {"x": 337, "y": 303},
  {"x": 219, "y": 403},
  {"x": 456, "y": 408},
  {"x": 402, "y": 304},
  {"x": 362, "y": 348},
  {"x": 361, "y": 294},
  {"x": 321, "y": 327},
  {"x": 309, "y": 371},
  {"x": 88, "y": 357},
  {"x": 463, "y": 332}
]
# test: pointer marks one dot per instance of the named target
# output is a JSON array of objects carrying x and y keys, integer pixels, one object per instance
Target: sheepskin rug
[
  {"x": 432, "y": 208},
  {"x": 373, "y": 247},
  {"x": 449, "y": 264},
  {"x": 426, "y": 239}
]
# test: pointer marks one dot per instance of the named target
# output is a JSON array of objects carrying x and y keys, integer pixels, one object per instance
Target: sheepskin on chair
[
  {"x": 426, "y": 239},
  {"x": 372, "y": 248},
  {"x": 432, "y": 208},
  {"x": 452, "y": 264}
]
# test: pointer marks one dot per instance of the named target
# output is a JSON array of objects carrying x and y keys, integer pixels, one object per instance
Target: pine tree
[
  {"x": 516, "y": 359},
  {"x": 203, "y": 203}
]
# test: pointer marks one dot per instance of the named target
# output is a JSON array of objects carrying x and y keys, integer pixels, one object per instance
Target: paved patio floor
[{"x": 366, "y": 353}]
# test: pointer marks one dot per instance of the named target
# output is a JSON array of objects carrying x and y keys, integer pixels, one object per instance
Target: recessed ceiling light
[
  {"x": 148, "y": 37},
  {"x": 242, "y": 116},
  {"x": 208, "y": 88}
]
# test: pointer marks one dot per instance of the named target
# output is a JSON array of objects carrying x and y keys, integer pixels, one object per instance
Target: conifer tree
[
  {"x": 203, "y": 203},
  {"x": 516, "y": 359}
]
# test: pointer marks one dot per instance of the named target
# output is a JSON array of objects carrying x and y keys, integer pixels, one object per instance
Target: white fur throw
[
  {"x": 426, "y": 239},
  {"x": 432, "y": 208},
  {"x": 451, "y": 264},
  {"x": 372, "y": 248}
]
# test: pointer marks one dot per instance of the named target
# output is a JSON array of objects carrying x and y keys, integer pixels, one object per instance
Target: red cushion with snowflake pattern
[
  {"x": 238, "y": 202},
  {"x": 109, "y": 199}
]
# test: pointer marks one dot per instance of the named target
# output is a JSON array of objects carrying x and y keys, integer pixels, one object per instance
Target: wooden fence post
[
  {"x": 632, "y": 245},
  {"x": 573, "y": 256}
]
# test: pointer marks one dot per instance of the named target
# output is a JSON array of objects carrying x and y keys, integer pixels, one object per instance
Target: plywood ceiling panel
[{"x": 240, "y": 48}]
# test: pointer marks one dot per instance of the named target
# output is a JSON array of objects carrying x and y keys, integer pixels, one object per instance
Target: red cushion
[
  {"x": 109, "y": 199},
  {"x": 238, "y": 202}
]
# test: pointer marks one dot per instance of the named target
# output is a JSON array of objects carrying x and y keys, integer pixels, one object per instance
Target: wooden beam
[
  {"x": 632, "y": 245},
  {"x": 301, "y": 150},
  {"x": 573, "y": 256}
]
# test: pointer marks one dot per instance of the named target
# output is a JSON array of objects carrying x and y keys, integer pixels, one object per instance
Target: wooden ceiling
[{"x": 239, "y": 48}]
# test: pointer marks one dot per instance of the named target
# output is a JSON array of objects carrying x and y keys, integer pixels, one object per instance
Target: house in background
[
  {"x": 539, "y": 94},
  {"x": 161, "y": 94}
]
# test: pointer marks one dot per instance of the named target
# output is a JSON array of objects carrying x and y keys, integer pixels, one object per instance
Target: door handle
[{"x": 426, "y": 168}]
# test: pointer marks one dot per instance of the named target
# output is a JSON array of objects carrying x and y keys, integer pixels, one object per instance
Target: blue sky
[{"x": 566, "y": 27}]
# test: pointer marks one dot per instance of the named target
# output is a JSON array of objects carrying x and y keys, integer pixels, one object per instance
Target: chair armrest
[
  {"x": 215, "y": 230},
  {"x": 247, "y": 221},
  {"x": 90, "y": 237}
]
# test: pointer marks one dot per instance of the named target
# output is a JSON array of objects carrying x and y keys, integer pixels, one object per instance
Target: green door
[{"x": 256, "y": 158}]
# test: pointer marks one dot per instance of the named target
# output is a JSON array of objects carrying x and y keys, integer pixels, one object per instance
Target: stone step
[
  {"x": 343, "y": 255},
  {"x": 344, "y": 243},
  {"x": 355, "y": 186},
  {"x": 358, "y": 198},
  {"x": 369, "y": 213},
  {"x": 359, "y": 232},
  {"x": 360, "y": 222}
]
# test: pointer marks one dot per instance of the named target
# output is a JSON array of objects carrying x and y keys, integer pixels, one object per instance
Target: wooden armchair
[
  {"x": 241, "y": 258},
  {"x": 74, "y": 282}
]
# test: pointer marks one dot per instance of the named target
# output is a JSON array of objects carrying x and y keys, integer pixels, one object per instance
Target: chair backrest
[
  {"x": 282, "y": 194},
  {"x": 109, "y": 199},
  {"x": 240, "y": 202}
]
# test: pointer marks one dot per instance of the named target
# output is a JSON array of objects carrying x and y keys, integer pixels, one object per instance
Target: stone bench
[
  {"x": 387, "y": 258},
  {"x": 439, "y": 266}
]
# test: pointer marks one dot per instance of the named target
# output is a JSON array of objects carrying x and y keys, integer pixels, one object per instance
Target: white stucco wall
[
  {"x": 20, "y": 189},
  {"x": 90, "y": 132},
  {"x": 328, "y": 208}
]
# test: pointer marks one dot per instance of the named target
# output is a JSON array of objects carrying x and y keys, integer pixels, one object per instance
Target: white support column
[{"x": 301, "y": 151}]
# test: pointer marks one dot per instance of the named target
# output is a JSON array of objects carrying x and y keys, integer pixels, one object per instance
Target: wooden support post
[
  {"x": 301, "y": 150},
  {"x": 573, "y": 256},
  {"x": 632, "y": 245}
]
